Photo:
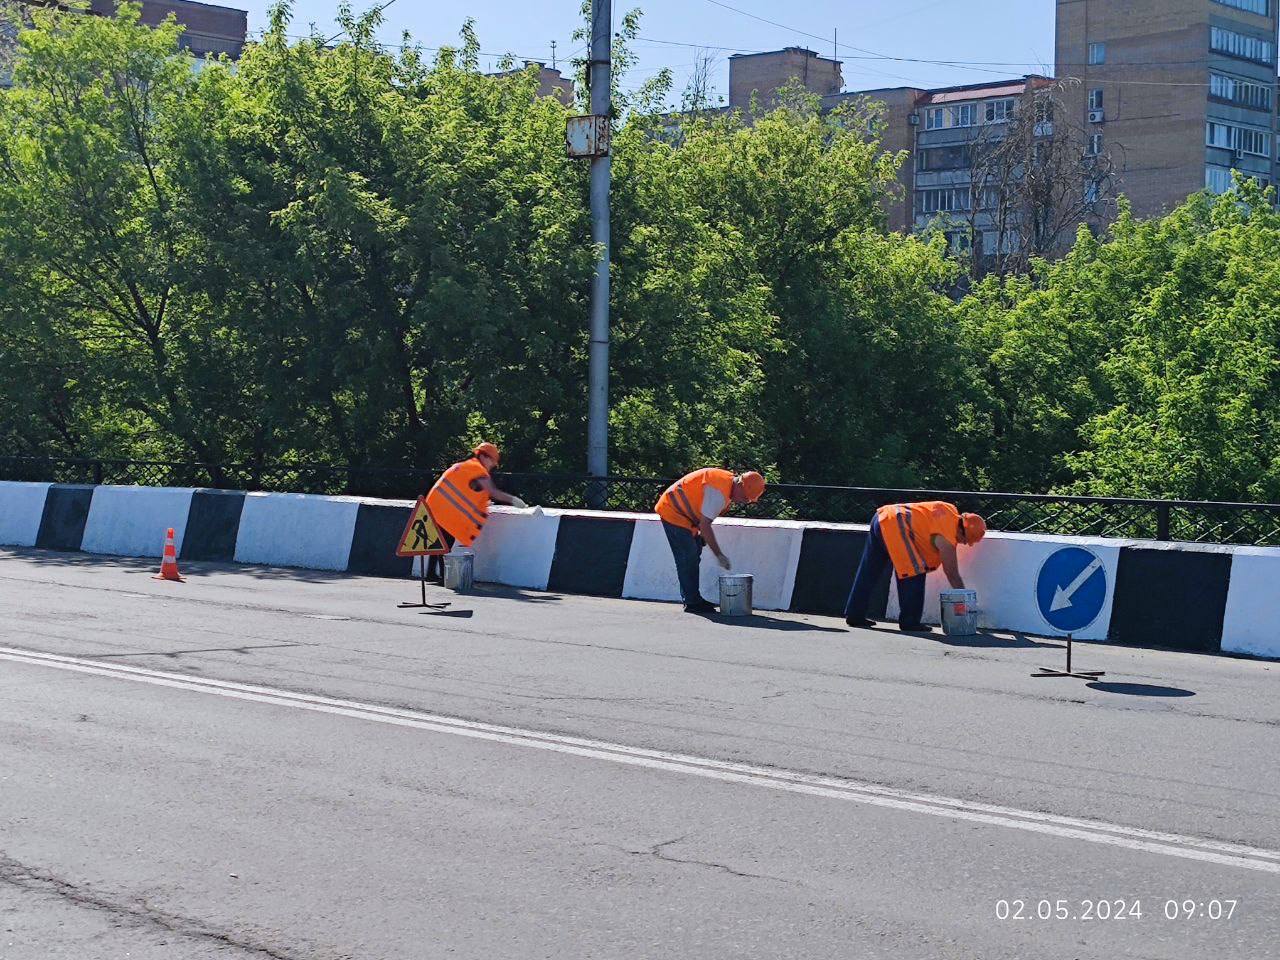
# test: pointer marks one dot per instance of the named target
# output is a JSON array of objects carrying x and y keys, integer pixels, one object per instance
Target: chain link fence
[{"x": 1255, "y": 524}]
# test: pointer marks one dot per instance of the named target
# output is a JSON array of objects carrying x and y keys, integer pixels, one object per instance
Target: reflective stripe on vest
[
  {"x": 907, "y": 528},
  {"x": 680, "y": 500},
  {"x": 681, "y": 503},
  {"x": 456, "y": 508},
  {"x": 459, "y": 499}
]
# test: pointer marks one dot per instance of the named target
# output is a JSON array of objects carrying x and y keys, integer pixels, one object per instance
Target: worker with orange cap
[
  {"x": 914, "y": 538},
  {"x": 459, "y": 501},
  {"x": 687, "y": 509}
]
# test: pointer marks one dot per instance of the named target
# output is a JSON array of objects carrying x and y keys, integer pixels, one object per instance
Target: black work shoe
[
  {"x": 914, "y": 628},
  {"x": 702, "y": 606},
  {"x": 856, "y": 624}
]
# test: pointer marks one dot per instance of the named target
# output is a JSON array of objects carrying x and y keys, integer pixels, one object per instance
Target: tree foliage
[{"x": 353, "y": 255}]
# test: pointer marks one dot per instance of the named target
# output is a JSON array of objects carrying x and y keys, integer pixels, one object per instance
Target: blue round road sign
[{"x": 1071, "y": 588}]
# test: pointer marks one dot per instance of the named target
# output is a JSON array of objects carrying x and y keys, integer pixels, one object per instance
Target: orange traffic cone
[{"x": 169, "y": 565}]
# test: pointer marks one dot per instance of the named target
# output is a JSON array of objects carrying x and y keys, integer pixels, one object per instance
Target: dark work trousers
[
  {"x": 435, "y": 562},
  {"x": 875, "y": 560},
  {"x": 687, "y": 550}
]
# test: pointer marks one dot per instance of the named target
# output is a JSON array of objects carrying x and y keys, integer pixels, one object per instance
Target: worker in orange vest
[
  {"x": 687, "y": 509},
  {"x": 915, "y": 538},
  {"x": 459, "y": 501}
]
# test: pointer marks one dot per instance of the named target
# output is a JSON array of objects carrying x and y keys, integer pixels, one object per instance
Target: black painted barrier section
[
  {"x": 373, "y": 547},
  {"x": 824, "y": 575},
  {"x": 66, "y": 508},
  {"x": 1170, "y": 598},
  {"x": 591, "y": 556},
  {"x": 212, "y": 525}
]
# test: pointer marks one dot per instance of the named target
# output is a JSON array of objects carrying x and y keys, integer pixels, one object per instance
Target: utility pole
[{"x": 598, "y": 357}]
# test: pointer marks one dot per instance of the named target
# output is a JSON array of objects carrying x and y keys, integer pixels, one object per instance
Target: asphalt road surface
[{"x": 263, "y": 763}]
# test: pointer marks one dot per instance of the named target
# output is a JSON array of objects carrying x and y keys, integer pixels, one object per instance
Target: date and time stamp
[{"x": 1116, "y": 910}]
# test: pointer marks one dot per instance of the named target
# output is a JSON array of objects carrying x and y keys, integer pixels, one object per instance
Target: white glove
[
  {"x": 724, "y": 562},
  {"x": 517, "y": 502}
]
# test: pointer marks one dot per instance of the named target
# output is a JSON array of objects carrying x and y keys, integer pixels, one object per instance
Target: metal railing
[{"x": 1182, "y": 520}]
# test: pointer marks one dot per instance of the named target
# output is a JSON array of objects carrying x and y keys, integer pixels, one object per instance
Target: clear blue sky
[{"x": 1016, "y": 34}]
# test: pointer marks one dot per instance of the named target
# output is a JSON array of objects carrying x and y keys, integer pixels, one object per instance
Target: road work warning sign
[{"x": 421, "y": 536}]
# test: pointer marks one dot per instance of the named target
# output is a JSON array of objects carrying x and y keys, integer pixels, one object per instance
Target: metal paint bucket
[
  {"x": 959, "y": 612},
  {"x": 735, "y": 594},
  {"x": 459, "y": 571}
]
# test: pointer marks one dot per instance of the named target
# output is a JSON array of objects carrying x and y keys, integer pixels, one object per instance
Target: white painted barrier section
[
  {"x": 132, "y": 521},
  {"x": 517, "y": 546},
  {"x": 21, "y": 507},
  {"x": 297, "y": 530},
  {"x": 1003, "y": 568},
  {"x": 1252, "y": 622},
  {"x": 651, "y": 573},
  {"x": 769, "y": 550}
]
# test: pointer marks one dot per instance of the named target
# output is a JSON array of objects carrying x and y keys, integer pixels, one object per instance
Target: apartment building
[
  {"x": 209, "y": 30},
  {"x": 1178, "y": 93},
  {"x": 1183, "y": 90},
  {"x": 551, "y": 82}
]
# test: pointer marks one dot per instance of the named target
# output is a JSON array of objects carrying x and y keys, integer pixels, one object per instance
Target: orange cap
[
  {"x": 752, "y": 485},
  {"x": 488, "y": 449},
  {"x": 975, "y": 528}
]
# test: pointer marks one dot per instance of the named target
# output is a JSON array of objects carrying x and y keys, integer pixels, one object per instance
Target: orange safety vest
[
  {"x": 681, "y": 503},
  {"x": 908, "y": 530},
  {"x": 456, "y": 505}
]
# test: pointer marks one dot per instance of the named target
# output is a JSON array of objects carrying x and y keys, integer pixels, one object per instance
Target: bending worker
[
  {"x": 916, "y": 538},
  {"x": 459, "y": 501},
  {"x": 687, "y": 508}
]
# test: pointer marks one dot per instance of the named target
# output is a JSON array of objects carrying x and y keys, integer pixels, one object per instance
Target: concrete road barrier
[
  {"x": 1216, "y": 599},
  {"x": 132, "y": 521},
  {"x": 21, "y": 509}
]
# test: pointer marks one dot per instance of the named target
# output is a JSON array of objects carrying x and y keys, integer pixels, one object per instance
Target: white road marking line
[{"x": 1071, "y": 828}]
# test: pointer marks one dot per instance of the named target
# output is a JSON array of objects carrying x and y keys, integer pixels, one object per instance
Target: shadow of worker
[{"x": 1139, "y": 689}]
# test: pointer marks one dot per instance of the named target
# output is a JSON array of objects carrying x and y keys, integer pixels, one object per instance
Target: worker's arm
[
  {"x": 707, "y": 534},
  {"x": 487, "y": 485},
  {"x": 950, "y": 562}
]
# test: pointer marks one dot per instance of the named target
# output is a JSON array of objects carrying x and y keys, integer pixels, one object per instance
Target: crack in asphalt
[
  {"x": 658, "y": 851},
  {"x": 138, "y": 910}
]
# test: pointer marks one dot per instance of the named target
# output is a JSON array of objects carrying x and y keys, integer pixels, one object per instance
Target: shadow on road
[
  {"x": 758, "y": 622},
  {"x": 1139, "y": 689},
  {"x": 1015, "y": 641},
  {"x": 499, "y": 592}
]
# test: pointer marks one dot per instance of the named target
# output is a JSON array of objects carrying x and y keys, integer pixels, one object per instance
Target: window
[
  {"x": 960, "y": 242},
  {"x": 943, "y": 200},
  {"x": 1256, "y": 96},
  {"x": 1228, "y": 136},
  {"x": 1097, "y": 54},
  {"x": 962, "y": 115},
  {"x": 1092, "y": 191},
  {"x": 1095, "y": 99},
  {"x": 1095, "y": 145},
  {"x": 943, "y": 158},
  {"x": 1260, "y": 7},
  {"x": 1001, "y": 111},
  {"x": 1219, "y": 180},
  {"x": 1222, "y": 40}
]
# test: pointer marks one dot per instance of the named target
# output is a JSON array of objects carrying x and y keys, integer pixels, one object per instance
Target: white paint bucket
[
  {"x": 959, "y": 612},
  {"x": 735, "y": 594},
  {"x": 459, "y": 571}
]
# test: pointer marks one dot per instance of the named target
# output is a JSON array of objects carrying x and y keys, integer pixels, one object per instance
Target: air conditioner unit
[
  {"x": 1097, "y": 116},
  {"x": 914, "y": 119}
]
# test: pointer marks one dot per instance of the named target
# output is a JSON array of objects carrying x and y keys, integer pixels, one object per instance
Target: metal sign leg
[
  {"x": 1069, "y": 672},
  {"x": 423, "y": 582}
]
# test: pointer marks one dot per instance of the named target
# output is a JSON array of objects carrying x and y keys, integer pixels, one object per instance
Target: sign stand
[
  {"x": 1078, "y": 674},
  {"x": 422, "y": 539}
]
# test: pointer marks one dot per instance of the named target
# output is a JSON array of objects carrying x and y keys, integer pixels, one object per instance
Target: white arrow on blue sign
[{"x": 1071, "y": 589}]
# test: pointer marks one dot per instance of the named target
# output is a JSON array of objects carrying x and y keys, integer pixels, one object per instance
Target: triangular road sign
[{"x": 421, "y": 537}]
